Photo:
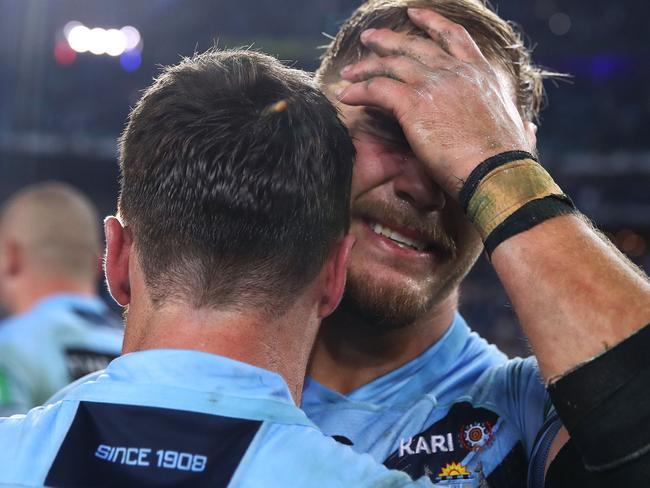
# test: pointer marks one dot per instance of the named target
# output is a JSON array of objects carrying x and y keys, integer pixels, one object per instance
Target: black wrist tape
[
  {"x": 605, "y": 404},
  {"x": 527, "y": 217},
  {"x": 475, "y": 177},
  {"x": 508, "y": 194}
]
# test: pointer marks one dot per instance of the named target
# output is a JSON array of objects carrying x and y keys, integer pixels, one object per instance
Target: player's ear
[
  {"x": 334, "y": 276},
  {"x": 12, "y": 258},
  {"x": 119, "y": 245}
]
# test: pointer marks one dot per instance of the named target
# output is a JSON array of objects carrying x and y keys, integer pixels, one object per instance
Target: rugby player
[
  {"x": 440, "y": 102},
  {"x": 229, "y": 247},
  {"x": 59, "y": 329}
]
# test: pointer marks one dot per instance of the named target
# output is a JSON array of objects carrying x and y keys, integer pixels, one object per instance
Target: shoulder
[
  {"x": 516, "y": 372},
  {"x": 13, "y": 327},
  {"x": 20, "y": 328},
  {"x": 34, "y": 439},
  {"x": 17, "y": 335},
  {"x": 514, "y": 386},
  {"x": 298, "y": 455}
]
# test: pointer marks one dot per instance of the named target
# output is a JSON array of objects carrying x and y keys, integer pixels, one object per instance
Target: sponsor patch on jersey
[
  {"x": 441, "y": 447},
  {"x": 476, "y": 435},
  {"x": 133, "y": 446},
  {"x": 81, "y": 362},
  {"x": 105, "y": 318}
]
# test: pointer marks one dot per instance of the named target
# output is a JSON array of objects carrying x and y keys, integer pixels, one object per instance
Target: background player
[
  {"x": 396, "y": 369},
  {"x": 229, "y": 248},
  {"x": 59, "y": 329}
]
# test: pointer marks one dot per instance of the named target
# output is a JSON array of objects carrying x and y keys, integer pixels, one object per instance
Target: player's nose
[{"x": 414, "y": 186}]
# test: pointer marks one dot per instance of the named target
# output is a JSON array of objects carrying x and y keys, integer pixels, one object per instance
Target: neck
[
  {"x": 350, "y": 352},
  {"x": 281, "y": 345},
  {"x": 38, "y": 289}
]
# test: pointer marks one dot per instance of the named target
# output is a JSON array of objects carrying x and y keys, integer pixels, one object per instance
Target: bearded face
[{"x": 414, "y": 244}]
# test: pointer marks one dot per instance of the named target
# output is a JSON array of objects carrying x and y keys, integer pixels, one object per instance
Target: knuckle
[
  {"x": 457, "y": 30},
  {"x": 378, "y": 34}
]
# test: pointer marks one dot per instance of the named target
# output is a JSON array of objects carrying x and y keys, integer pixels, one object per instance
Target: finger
[
  {"x": 399, "y": 68},
  {"x": 379, "y": 92},
  {"x": 385, "y": 42},
  {"x": 452, "y": 37}
]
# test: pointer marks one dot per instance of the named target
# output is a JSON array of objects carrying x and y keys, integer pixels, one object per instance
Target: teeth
[{"x": 398, "y": 238}]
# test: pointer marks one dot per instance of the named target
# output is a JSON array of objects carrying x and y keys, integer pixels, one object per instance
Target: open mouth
[{"x": 398, "y": 238}]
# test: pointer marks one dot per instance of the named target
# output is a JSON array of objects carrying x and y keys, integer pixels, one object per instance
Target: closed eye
[{"x": 384, "y": 127}]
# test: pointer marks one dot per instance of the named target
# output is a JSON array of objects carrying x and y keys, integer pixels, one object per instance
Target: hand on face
[{"x": 453, "y": 107}]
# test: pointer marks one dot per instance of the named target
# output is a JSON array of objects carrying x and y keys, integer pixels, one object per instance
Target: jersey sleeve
[
  {"x": 518, "y": 390},
  {"x": 63, "y": 392}
]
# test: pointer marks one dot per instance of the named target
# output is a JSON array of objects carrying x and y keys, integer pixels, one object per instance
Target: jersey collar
[
  {"x": 193, "y": 381},
  {"x": 404, "y": 382},
  {"x": 63, "y": 300}
]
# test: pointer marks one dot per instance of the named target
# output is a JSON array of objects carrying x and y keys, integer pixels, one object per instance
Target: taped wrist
[
  {"x": 510, "y": 193},
  {"x": 605, "y": 405}
]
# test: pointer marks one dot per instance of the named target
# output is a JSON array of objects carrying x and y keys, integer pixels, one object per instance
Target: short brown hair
[
  {"x": 499, "y": 40},
  {"x": 235, "y": 180}
]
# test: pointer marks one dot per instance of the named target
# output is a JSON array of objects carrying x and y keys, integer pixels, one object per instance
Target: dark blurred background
[{"x": 61, "y": 110}]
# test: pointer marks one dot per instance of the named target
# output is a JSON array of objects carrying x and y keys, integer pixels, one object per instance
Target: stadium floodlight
[
  {"x": 79, "y": 38},
  {"x": 69, "y": 26},
  {"x": 132, "y": 37},
  {"x": 116, "y": 42},
  {"x": 98, "y": 41}
]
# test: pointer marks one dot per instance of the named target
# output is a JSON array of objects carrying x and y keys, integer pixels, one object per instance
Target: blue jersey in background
[{"x": 60, "y": 339}]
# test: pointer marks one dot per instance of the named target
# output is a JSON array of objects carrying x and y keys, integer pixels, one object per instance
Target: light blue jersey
[
  {"x": 60, "y": 339},
  {"x": 460, "y": 413},
  {"x": 181, "y": 418}
]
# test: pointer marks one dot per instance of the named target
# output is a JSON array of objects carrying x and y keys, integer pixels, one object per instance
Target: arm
[{"x": 573, "y": 293}]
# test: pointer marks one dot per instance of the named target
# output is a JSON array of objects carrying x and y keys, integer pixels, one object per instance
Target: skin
[
  {"x": 280, "y": 344},
  {"x": 454, "y": 112},
  {"x": 593, "y": 289},
  {"x": 36, "y": 235},
  {"x": 353, "y": 347}
]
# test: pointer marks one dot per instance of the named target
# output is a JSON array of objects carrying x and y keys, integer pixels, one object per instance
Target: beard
[{"x": 384, "y": 305}]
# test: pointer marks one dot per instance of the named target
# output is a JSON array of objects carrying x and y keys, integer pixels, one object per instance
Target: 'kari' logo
[
  {"x": 429, "y": 445},
  {"x": 476, "y": 436}
]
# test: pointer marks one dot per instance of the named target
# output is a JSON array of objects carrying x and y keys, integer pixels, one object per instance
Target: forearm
[{"x": 575, "y": 296}]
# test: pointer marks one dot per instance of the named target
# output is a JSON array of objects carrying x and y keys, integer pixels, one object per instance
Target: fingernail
[
  {"x": 345, "y": 69},
  {"x": 414, "y": 11},
  {"x": 338, "y": 93},
  {"x": 366, "y": 33}
]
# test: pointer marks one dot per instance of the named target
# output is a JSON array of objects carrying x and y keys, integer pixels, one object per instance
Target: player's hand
[{"x": 454, "y": 109}]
